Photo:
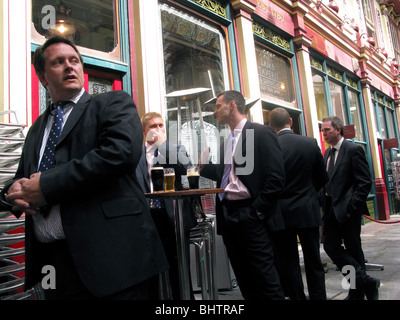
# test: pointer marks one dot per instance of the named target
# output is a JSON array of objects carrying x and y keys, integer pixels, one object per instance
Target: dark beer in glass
[
  {"x": 193, "y": 176},
  {"x": 157, "y": 178}
]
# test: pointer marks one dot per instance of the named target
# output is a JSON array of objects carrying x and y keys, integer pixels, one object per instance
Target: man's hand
[
  {"x": 26, "y": 194},
  {"x": 14, "y": 196},
  {"x": 204, "y": 157},
  {"x": 156, "y": 136}
]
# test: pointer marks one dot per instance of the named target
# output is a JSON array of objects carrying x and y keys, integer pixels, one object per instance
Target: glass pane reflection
[
  {"x": 89, "y": 23},
  {"x": 193, "y": 58}
]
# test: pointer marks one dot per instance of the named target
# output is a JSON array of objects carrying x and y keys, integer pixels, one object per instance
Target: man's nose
[{"x": 68, "y": 65}]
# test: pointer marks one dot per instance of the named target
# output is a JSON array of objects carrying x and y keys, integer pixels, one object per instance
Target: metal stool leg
[
  {"x": 203, "y": 237},
  {"x": 164, "y": 286},
  {"x": 211, "y": 260},
  {"x": 200, "y": 255}
]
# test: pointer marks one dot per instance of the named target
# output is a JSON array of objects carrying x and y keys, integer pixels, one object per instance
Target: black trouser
[
  {"x": 288, "y": 263},
  {"x": 68, "y": 283},
  {"x": 167, "y": 235},
  {"x": 250, "y": 251},
  {"x": 342, "y": 243}
]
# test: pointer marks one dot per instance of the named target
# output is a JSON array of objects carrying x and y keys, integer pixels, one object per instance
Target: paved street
[{"x": 381, "y": 244}]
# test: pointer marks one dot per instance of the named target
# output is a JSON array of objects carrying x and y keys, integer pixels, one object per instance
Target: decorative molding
[
  {"x": 316, "y": 64},
  {"x": 215, "y": 6},
  {"x": 271, "y": 36},
  {"x": 244, "y": 5}
]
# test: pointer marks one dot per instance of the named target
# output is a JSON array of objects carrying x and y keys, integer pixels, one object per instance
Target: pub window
[
  {"x": 337, "y": 94},
  {"x": 394, "y": 36},
  {"x": 367, "y": 8},
  {"x": 90, "y": 24},
  {"x": 194, "y": 58},
  {"x": 385, "y": 116},
  {"x": 387, "y": 129},
  {"x": 275, "y": 75},
  {"x": 337, "y": 100},
  {"x": 320, "y": 96},
  {"x": 355, "y": 111}
]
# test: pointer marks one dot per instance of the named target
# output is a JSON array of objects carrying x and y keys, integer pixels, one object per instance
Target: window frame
[{"x": 334, "y": 73}]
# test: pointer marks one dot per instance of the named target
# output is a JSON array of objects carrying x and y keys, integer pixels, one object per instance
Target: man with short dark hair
[
  {"x": 344, "y": 204},
  {"x": 252, "y": 174},
  {"x": 86, "y": 214},
  {"x": 305, "y": 175}
]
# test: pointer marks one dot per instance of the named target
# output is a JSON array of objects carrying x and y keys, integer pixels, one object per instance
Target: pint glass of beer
[
  {"x": 169, "y": 179},
  {"x": 193, "y": 176},
  {"x": 157, "y": 178}
]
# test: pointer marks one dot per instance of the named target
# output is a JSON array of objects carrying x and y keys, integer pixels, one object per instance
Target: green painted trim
[
  {"x": 234, "y": 57},
  {"x": 207, "y": 12},
  {"x": 119, "y": 66}
]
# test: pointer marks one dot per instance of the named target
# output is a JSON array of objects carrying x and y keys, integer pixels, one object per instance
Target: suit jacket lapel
[
  {"x": 144, "y": 169},
  {"x": 75, "y": 115},
  {"x": 38, "y": 139},
  {"x": 243, "y": 138},
  {"x": 342, "y": 153},
  {"x": 162, "y": 157}
]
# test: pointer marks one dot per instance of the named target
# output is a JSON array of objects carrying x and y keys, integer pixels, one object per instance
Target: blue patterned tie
[
  {"x": 156, "y": 202},
  {"x": 227, "y": 167},
  {"x": 48, "y": 159}
]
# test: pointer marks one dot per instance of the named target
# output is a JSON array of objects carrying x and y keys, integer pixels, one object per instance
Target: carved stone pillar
[
  {"x": 382, "y": 200},
  {"x": 302, "y": 43},
  {"x": 247, "y": 54}
]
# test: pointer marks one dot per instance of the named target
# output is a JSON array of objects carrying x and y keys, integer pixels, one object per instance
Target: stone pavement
[{"x": 381, "y": 245}]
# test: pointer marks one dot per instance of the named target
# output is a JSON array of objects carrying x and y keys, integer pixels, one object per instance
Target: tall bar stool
[{"x": 203, "y": 238}]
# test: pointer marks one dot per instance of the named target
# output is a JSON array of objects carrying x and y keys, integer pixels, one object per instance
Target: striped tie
[{"x": 227, "y": 167}]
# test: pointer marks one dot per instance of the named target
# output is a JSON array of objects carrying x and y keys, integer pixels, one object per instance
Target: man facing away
[
  {"x": 86, "y": 215},
  {"x": 251, "y": 173},
  {"x": 305, "y": 175},
  {"x": 345, "y": 197}
]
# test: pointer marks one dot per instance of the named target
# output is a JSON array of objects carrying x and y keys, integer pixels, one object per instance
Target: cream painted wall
[
  {"x": 1, "y": 59},
  {"x": 16, "y": 73},
  {"x": 150, "y": 60},
  {"x": 248, "y": 60}
]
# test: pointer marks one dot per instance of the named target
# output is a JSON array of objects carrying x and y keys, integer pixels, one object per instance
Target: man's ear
[
  {"x": 43, "y": 80},
  {"x": 232, "y": 105}
]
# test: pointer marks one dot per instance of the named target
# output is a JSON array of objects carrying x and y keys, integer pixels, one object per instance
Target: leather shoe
[
  {"x": 355, "y": 294},
  {"x": 371, "y": 287}
]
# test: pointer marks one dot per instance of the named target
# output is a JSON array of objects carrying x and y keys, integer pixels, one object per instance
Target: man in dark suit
[
  {"x": 305, "y": 175},
  {"x": 87, "y": 216},
  {"x": 344, "y": 204},
  {"x": 158, "y": 152},
  {"x": 252, "y": 182}
]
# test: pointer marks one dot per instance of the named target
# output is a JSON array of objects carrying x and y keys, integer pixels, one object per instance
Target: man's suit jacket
[
  {"x": 305, "y": 175},
  {"x": 108, "y": 227},
  {"x": 350, "y": 181},
  {"x": 169, "y": 156},
  {"x": 258, "y": 163}
]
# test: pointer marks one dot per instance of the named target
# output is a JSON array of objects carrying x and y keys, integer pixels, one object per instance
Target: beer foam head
[
  {"x": 193, "y": 172},
  {"x": 157, "y": 168}
]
